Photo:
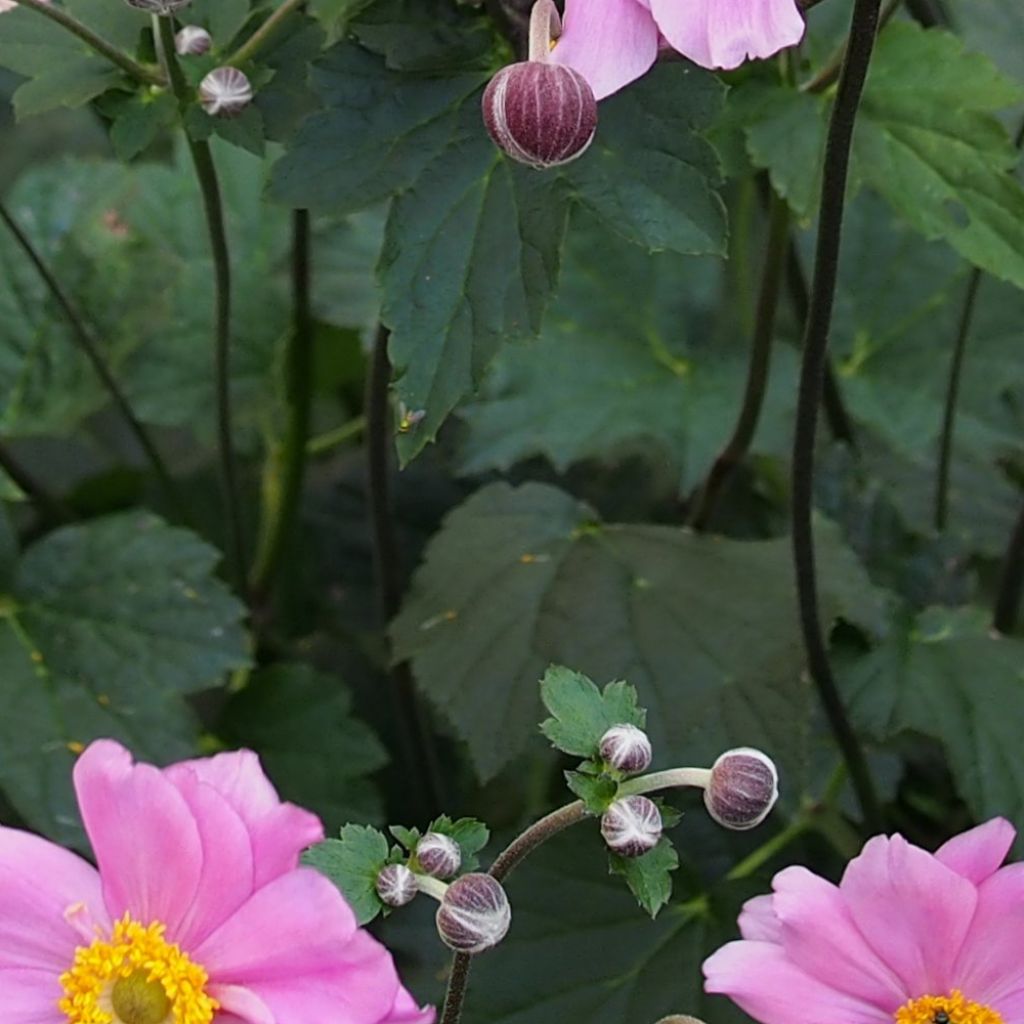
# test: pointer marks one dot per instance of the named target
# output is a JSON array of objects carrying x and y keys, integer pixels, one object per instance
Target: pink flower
[
  {"x": 905, "y": 937},
  {"x": 199, "y": 912},
  {"x": 613, "y": 42}
]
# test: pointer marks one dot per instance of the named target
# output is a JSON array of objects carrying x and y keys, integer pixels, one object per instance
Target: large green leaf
[
  {"x": 947, "y": 675},
  {"x": 704, "y": 627},
  {"x": 104, "y": 628},
  {"x": 319, "y": 755}
]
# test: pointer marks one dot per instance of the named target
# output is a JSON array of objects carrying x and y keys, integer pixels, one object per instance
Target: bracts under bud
[
  {"x": 626, "y": 748},
  {"x": 396, "y": 885},
  {"x": 439, "y": 855},
  {"x": 474, "y": 914},
  {"x": 161, "y": 7},
  {"x": 631, "y": 826},
  {"x": 225, "y": 92},
  {"x": 743, "y": 788},
  {"x": 193, "y": 41}
]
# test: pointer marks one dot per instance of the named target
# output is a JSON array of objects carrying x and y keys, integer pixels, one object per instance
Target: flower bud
[
  {"x": 396, "y": 885},
  {"x": 439, "y": 855},
  {"x": 743, "y": 788},
  {"x": 626, "y": 748},
  {"x": 631, "y": 826},
  {"x": 540, "y": 114},
  {"x": 193, "y": 41},
  {"x": 163, "y": 7},
  {"x": 225, "y": 92},
  {"x": 474, "y": 914}
]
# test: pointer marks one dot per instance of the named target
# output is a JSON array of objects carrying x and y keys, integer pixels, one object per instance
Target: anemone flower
[
  {"x": 613, "y": 42},
  {"x": 199, "y": 912},
  {"x": 907, "y": 937}
]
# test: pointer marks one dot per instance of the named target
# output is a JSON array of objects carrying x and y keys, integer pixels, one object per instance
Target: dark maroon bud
[
  {"x": 631, "y": 826},
  {"x": 439, "y": 855},
  {"x": 743, "y": 788},
  {"x": 626, "y": 748},
  {"x": 396, "y": 885},
  {"x": 474, "y": 914},
  {"x": 540, "y": 114}
]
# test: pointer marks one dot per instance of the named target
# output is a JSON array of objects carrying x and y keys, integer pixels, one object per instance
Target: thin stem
[
  {"x": 1011, "y": 580},
  {"x": 414, "y": 736},
  {"x": 323, "y": 443},
  {"x": 48, "y": 504},
  {"x": 206, "y": 174},
  {"x": 673, "y": 778},
  {"x": 956, "y": 366},
  {"x": 860, "y": 46},
  {"x": 286, "y": 463},
  {"x": 545, "y": 26},
  {"x": 829, "y": 73},
  {"x": 88, "y": 344},
  {"x": 259, "y": 39},
  {"x": 764, "y": 853},
  {"x": 759, "y": 368},
  {"x": 139, "y": 72},
  {"x": 433, "y": 887}
]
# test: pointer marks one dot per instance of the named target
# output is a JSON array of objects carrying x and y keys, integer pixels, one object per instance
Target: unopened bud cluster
[{"x": 743, "y": 788}]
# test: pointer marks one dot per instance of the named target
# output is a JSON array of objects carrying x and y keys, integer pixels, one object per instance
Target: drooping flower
[
  {"x": 613, "y": 42},
  {"x": 199, "y": 912},
  {"x": 907, "y": 937}
]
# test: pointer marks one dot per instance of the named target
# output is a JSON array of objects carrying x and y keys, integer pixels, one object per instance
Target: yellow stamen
[
  {"x": 135, "y": 977},
  {"x": 957, "y": 1010}
]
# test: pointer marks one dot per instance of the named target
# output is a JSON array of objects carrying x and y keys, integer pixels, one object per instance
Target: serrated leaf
[
  {"x": 408, "y": 837},
  {"x": 581, "y": 713},
  {"x": 649, "y": 876},
  {"x": 704, "y": 627},
  {"x": 596, "y": 791},
  {"x": 104, "y": 628},
  {"x": 352, "y": 863},
  {"x": 319, "y": 755}
]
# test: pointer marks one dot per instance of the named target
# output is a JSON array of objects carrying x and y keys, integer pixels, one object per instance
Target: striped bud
[
  {"x": 193, "y": 41},
  {"x": 396, "y": 885},
  {"x": 626, "y": 748},
  {"x": 439, "y": 855},
  {"x": 540, "y": 114},
  {"x": 631, "y": 826},
  {"x": 163, "y": 7},
  {"x": 474, "y": 914},
  {"x": 743, "y": 788},
  {"x": 225, "y": 92}
]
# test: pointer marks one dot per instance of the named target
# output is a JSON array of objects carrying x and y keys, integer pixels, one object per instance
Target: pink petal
[
  {"x": 144, "y": 836},
  {"x": 38, "y": 883},
  {"x": 913, "y": 911},
  {"x": 405, "y": 1011},
  {"x": 977, "y": 853},
  {"x": 758, "y": 920},
  {"x": 763, "y": 981},
  {"x": 30, "y": 996},
  {"x": 279, "y": 831},
  {"x": 610, "y": 42},
  {"x": 724, "y": 33},
  {"x": 989, "y": 968},
  {"x": 226, "y": 878},
  {"x": 319, "y": 968},
  {"x": 240, "y": 1003},
  {"x": 819, "y": 935}
]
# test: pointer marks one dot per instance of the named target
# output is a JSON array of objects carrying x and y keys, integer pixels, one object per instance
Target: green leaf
[
  {"x": 352, "y": 863},
  {"x": 103, "y": 629},
  {"x": 471, "y": 835},
  {"x": 581, "y": 713},
  {"x": 596, "y": 791},
  {"x": 139, "y": 121},
  {"x": 649, "y": 876},
  {"x": 408, "y": 837},
  {"x": 946, "y": 675},
  {"x": 319, "y": 755},
  {"x": 704, "y": 627}
]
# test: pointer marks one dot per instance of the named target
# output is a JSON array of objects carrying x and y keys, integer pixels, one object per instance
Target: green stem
[
  {"x": 147, "y": 76},
  {"x": 264, "y": 33},
  {"x": 89, "y": 346},
  {"x": 766, "y": 851},
  {"x": 758, "y": 371},
  {"x": 286, "y": 463},
  {"x": 206, "y": 174},
  {"x": 323, "y": 443}
]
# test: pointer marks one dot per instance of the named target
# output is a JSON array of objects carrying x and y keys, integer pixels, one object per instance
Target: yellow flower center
[
  {"x": 951, "y": 1009},
  {"x": 135, "y": 977}
]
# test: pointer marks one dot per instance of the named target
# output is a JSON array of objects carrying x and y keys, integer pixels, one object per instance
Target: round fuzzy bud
[
  {"x": 626, "y": 748},
  {"x": 193, "y": 41},
  {"x": 159, "y": 6},
  {"x": 225, "y": 92},
  {"x": 439, "y": 855},
  {"x": 631, "y": 826},
  {"x": 540, "y": 114},
  {"x": 743, "y": 788},
  {"x": 474, "y": 914},
  {"x": 396, "y": 885}
]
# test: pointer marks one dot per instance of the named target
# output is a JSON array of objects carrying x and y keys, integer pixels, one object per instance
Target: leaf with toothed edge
[{"x": 352, "y": 863}]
